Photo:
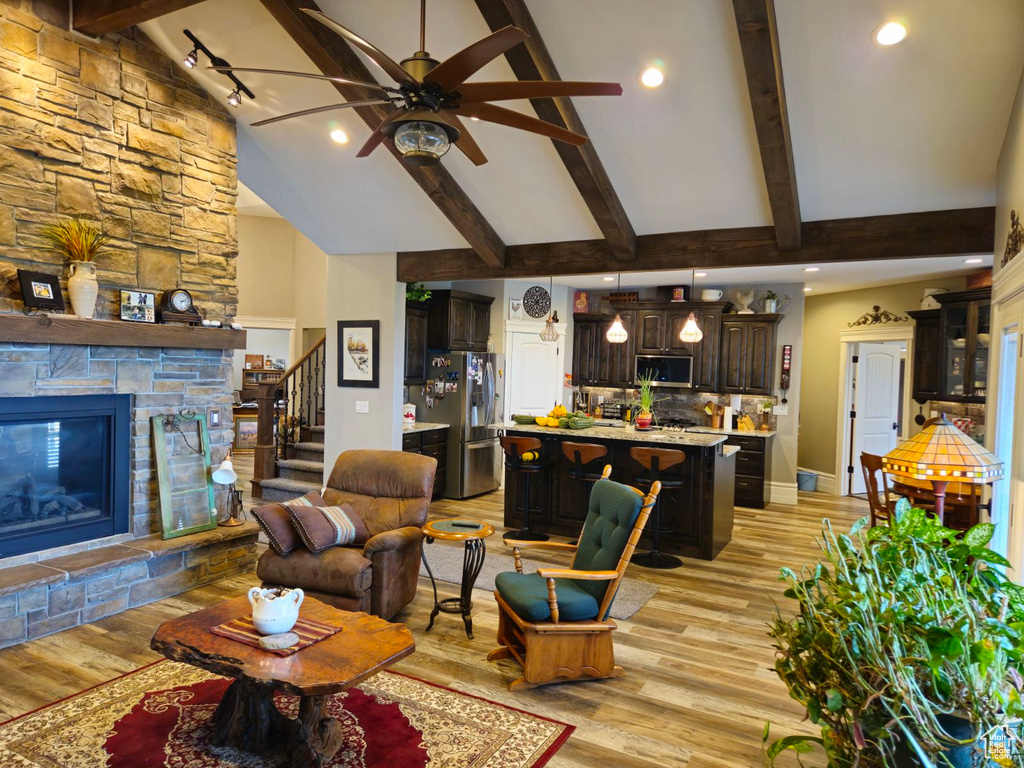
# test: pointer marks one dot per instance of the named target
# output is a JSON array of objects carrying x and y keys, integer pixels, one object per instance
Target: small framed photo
[
  {"x": 41, "y": 291},
  {"x": 515, "y": 309},
  {"x": 253, "y": 362},
  {"x": 138, "y": 306},
  {"x": 359, "y": 353}
]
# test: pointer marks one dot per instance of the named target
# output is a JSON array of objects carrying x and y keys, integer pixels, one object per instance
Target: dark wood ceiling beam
[
  {"x": 532, "y": 61},
  {"x": 898, "y": 236},
  {"x": 333, "y": 56},
  {"x": 759, "y": 41},
  {"x": 98, "y": 17}
]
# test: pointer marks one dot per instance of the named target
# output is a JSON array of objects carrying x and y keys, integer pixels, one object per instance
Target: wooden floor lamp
[{"x": 942, "y": 454}]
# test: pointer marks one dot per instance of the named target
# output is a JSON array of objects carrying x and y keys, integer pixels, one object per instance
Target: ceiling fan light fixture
[{"x": 423, "y": 142}]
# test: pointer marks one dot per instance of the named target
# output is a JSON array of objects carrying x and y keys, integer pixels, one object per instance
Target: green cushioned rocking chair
[{"x": 555, "y": 622}]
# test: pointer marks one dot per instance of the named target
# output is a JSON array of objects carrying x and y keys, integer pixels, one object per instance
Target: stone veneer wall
[{"x": 113, "y": 131}]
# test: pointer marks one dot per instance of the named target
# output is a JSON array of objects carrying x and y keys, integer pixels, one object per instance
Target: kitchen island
[{"x": 696, "y": 519}]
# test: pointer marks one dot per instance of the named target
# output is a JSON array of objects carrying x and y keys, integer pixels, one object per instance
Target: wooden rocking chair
[{"x": 555, "y": 622}]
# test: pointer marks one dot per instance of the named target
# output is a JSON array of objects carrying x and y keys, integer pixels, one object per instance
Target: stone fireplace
[{"x": 112, "y": 131}]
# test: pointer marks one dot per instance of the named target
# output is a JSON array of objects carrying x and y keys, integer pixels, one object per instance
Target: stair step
[
  {"x": 283, "y": 489},
  {"x": 308, "y": 451},
  {"x": 298, "y": 469},
  {"x": 314, "y": 447},
  {"x": 317, "y": 433}
]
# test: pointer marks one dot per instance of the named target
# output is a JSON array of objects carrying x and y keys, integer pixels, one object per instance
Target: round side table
[{"x": 473, "y": 533}]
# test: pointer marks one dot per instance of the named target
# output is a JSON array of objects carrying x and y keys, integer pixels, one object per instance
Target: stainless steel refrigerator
[{"x": 464, "y": 391}]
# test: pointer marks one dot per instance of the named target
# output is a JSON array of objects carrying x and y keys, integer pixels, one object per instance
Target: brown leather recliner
[{"x": 390, "y": 491}]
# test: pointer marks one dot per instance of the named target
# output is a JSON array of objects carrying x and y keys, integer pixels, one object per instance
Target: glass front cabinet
[{"x": 964, "y": 332}]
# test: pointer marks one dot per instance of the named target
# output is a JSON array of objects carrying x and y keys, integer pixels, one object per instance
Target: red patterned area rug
[{"x": 158, "y": 717}]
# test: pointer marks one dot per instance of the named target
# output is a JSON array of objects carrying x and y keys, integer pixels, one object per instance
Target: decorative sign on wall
[
  {"x": 1015, "y": 240},
  {"x": 877, "y": 316}
]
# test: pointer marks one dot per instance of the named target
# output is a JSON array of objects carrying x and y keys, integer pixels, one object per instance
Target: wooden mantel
[{"x": 54, "y": 329}]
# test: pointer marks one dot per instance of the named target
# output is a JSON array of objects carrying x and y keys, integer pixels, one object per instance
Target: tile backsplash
[{"x": 689, "y": 405}]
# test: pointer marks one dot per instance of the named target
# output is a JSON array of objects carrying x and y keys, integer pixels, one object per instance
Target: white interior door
[
  {"x": 877, "y": 404},
  {"x": 534, "y": 374},
  {"x": 1008, "y": 439}
]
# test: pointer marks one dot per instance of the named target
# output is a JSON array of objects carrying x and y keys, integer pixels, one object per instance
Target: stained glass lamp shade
[{"x": 942, "y": 454}]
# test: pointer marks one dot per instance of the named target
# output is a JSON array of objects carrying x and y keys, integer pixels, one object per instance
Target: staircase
[{"x": 289, "y": 456}]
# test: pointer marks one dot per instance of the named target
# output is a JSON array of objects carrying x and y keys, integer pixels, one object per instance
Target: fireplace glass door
[{"x": 63, "y": 470}]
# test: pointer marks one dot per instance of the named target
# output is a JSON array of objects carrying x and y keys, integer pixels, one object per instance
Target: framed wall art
[
  {"x": 41, "y": 291},
  {"x": 138, "y": 306},
  {"x": 359, "y": 353}
]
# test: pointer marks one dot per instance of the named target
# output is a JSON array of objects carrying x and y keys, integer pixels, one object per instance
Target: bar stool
[
  {"x": 582, "y": 456},
  {"x": 514, "y": 448},
  {"x": 654, "y": 461}
]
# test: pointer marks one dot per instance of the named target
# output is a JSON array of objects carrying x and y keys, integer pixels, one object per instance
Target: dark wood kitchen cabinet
[
  {"x": 927, "y": 374},
  {"x": 748, "y": 354},
  {"x": 433, "y": 443},
  {"x": 417, "y": 318},
  {"x": 596, "y": 362},
  {"x": 459, "y": 321},
  {"x": 753, "y": 470}
]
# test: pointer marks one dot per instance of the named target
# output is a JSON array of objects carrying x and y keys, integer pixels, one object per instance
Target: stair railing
[{"x": 286, "y": 408}]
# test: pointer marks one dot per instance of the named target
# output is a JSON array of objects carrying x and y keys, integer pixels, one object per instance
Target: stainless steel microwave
[{"x": 667, "y": 371}]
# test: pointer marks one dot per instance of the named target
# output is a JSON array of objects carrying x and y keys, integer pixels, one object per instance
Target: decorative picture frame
[
  {"x": 359, "y": 353},
  {"x": 183, "y": 472},
  {"x": 41, "y": 291},
  {"x": 515, "y": 308},
  {"x": 246, "y": 427},
  {"x": 137, "y": 306}
]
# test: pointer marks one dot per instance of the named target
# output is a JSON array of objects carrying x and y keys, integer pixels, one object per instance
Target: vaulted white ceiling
[{"x": 915, "y": 127}]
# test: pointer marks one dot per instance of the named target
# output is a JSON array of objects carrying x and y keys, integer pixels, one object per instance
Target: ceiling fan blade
[
  {"x": 381, "y": 59},
  {"x": 512, "y": 119},
  {"x": 317, "y": 110},
  {"x": 378, "y": 135},
  {"x": 466, "y": 143},
  {"x": 453, "y": 71},
  {"x": 340, "y": 80},
  {"x": 535, "y": 89}
]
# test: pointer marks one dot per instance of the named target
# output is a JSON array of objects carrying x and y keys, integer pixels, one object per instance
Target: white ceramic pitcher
[{"x": 272, "y": 612}]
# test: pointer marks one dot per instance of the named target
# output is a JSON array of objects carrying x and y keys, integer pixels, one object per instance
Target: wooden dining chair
[
  {"x": 879, "y": 500},
  {"x": 554, "y": 622}
]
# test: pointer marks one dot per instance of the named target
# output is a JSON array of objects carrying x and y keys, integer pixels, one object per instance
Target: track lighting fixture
[{"x": 219, "y": 64}]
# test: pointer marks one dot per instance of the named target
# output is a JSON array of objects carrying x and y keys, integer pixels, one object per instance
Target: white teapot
[{"x": 274, "y": 612}]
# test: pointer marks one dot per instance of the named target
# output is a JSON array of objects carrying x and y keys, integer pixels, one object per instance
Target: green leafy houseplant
[
  {"x": 416, "y": 292},
  {"x": 78, "y": 240},
  {"x": 769, "y": 296},
  {"x": 898, "y": 629},
  {"x": 645, "y": 391}
]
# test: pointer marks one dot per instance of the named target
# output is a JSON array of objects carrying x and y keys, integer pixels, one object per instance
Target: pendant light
[
  {"x": 550, "y": 333},
  {"x": 617, "y": 334},
  {"x": 691, "y": 332}
]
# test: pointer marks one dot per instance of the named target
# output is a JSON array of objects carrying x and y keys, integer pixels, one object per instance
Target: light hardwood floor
[{"x": 699, "y": 685}]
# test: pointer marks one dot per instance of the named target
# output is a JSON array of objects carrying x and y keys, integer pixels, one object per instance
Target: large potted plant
[
  {"x": 80, "y": 243},
  {"x": 906, "y": 648}
]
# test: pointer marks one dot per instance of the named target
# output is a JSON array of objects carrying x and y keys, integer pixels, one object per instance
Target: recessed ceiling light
[
  {"x": 652, "y": 77},
  {"x": 700, "y": 274},
  {"x": 811, "y": 269},
  {"x": 339, "y": 136},
  {"x": 890, "y": 33},
  {"x": 807, "y": 289},
  {"x": 974, "y": 260},
  {"x": 474, "y": 119},
  {"x": 608, "y": 279}
]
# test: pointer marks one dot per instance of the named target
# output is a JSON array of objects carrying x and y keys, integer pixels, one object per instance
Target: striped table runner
[{"x": 243, "y": 631}]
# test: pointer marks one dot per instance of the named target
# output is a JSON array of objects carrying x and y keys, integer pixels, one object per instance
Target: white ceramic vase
[{"x": 83, "y": 288}]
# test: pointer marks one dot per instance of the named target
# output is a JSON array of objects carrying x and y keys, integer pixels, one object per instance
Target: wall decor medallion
[
  {"x": 877, "y": 316},
  {"x": 40, "y": 292},
  {"x": 138, "y": 306},
  {"x": 1014, "y": 240},
  {"x": 359, "y": 353},
  {"x": 537, "y": 301}
]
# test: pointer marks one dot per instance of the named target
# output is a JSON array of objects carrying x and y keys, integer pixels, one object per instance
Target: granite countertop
[
  {"x": 729, "y": 450},
  {"x": 738, "y": 432},
  {"x": 617, "y": 433},
  {"x": 422, "y": 426}
]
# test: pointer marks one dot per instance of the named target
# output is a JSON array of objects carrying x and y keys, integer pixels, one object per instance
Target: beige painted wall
[
  {"x": 824, "y": 317},
  {"x": 266, "y": 267},
  {"x": 1010, "y": 189}
]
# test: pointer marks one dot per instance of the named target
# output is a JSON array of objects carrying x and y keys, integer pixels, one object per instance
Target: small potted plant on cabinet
[
  {"x": 645, "y": 389},
  {"x": 80, "y": 243},
  {"x": 906, "y": 649},
  {"x": 766, "y": 408}
]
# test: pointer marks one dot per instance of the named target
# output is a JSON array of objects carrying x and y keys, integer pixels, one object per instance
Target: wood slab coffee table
[{"x": 246, "y": 718}]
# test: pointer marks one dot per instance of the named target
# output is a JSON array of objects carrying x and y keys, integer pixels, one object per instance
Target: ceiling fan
[{"x": 431, "y": 96}]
